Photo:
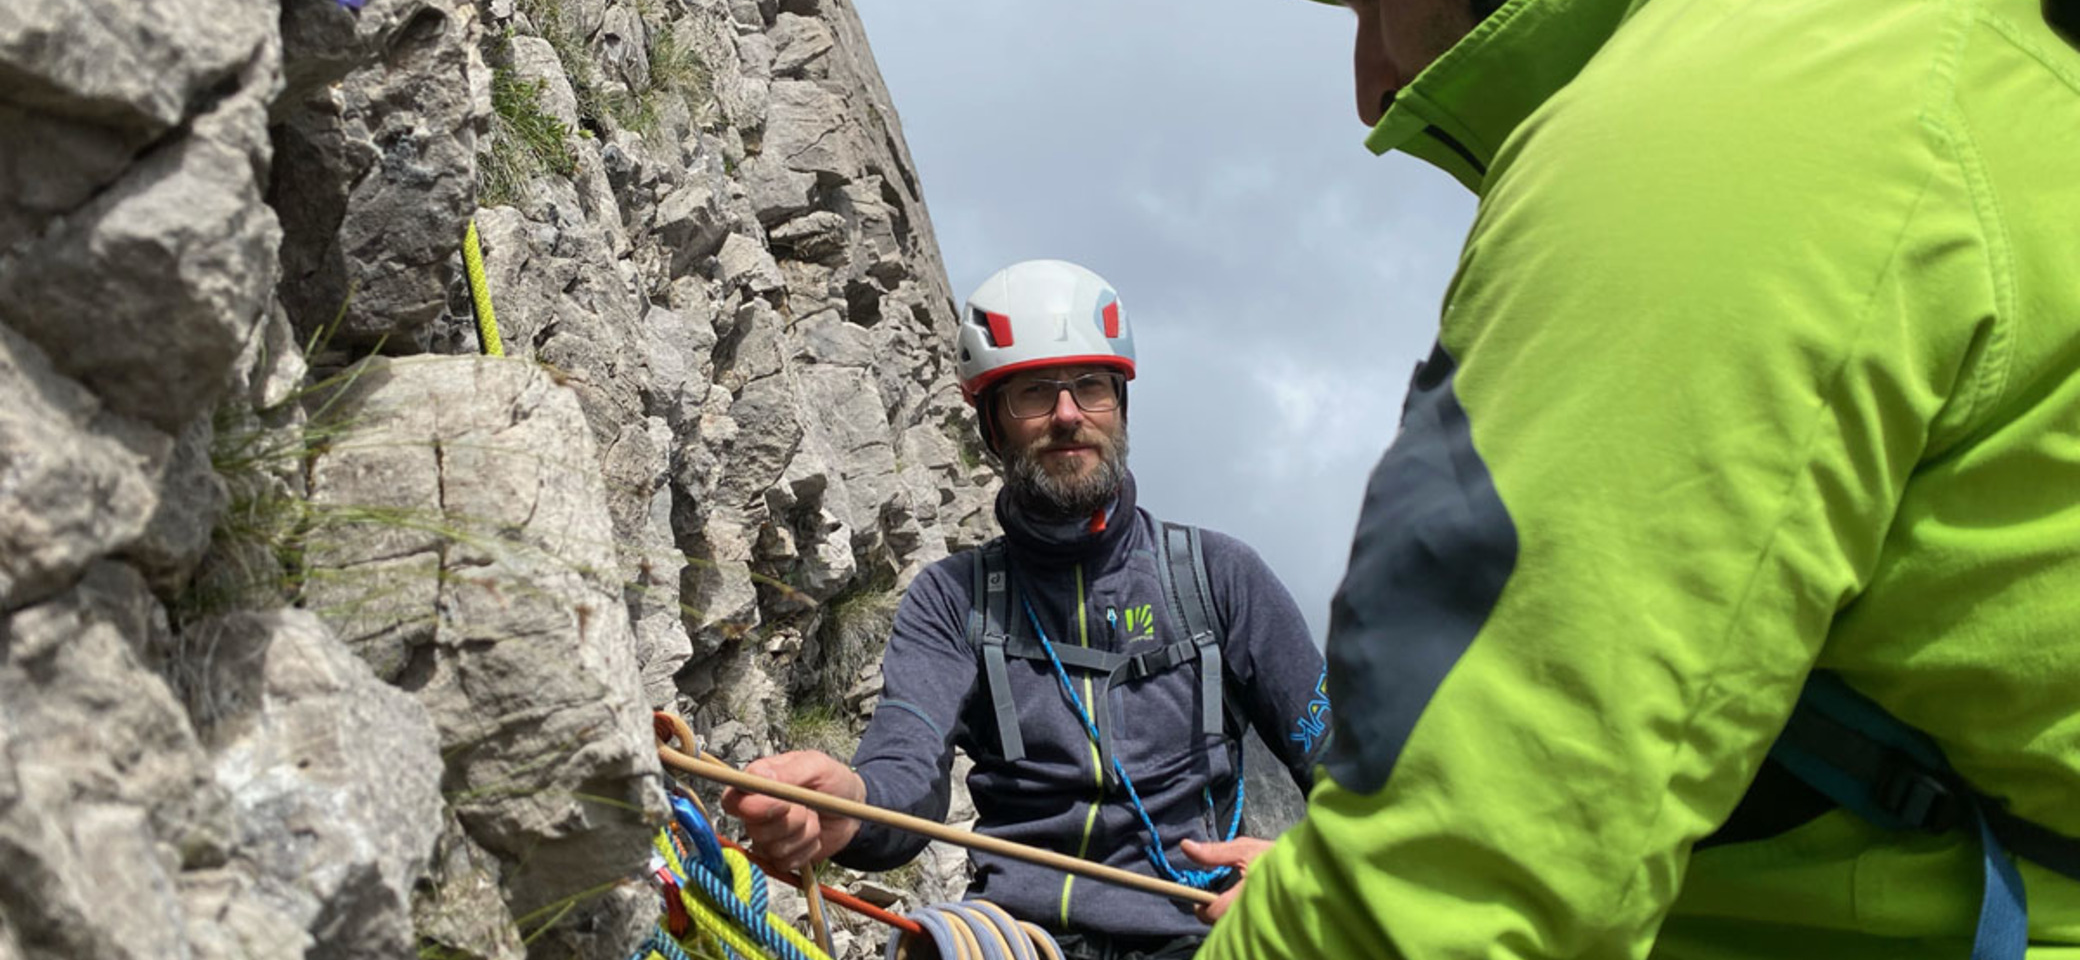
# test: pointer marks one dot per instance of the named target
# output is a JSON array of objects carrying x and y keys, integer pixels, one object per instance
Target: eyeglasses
[{"x": 1093, "y": 392}]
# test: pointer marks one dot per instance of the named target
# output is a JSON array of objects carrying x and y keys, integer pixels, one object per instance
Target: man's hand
[
  {"x": 790, "y": 834},
  {"x": 1235, "y": 853}
]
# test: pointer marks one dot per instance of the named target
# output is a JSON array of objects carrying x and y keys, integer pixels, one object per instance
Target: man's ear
[{"x": 986, "y": 414}]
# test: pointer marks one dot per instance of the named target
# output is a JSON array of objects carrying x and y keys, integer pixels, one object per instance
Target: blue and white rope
[{"x": 1201, "y": 879}]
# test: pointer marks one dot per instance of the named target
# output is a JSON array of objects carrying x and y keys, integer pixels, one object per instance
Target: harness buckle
[
  {"x": 1920, "y": 799},
  {"x": 1151, "y": 662}
]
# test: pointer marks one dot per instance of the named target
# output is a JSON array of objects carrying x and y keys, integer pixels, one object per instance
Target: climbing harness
[
  {"x": 1855, "y": 754},
  {"x": 479, "y": 292},
  {"x": 1201, "y": 879}
]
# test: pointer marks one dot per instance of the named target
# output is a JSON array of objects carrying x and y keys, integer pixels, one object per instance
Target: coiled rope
[
  {"x": 722, "y": 895},
  {"x": 972, "y": 930}
]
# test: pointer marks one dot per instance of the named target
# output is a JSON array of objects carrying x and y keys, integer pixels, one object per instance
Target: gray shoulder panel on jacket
[{"x": 1434, "y": 547}]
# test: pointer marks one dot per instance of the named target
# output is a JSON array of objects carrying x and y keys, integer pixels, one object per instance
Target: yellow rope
[
  {"x": 709, "y": 920},
  {"x": 480, "y": 294},
  {"x": 705, "y": 918}
]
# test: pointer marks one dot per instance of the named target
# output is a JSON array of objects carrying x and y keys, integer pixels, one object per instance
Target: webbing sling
[
  {"x": 992, "y": 627},
  {"x": 1844, "y": 745}
]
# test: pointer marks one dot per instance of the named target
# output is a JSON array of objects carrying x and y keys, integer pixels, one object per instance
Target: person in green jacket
[{"x": 1759, "y": 360}]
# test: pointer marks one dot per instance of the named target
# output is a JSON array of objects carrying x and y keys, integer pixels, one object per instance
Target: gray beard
[{"x": 1045, "y": 496}]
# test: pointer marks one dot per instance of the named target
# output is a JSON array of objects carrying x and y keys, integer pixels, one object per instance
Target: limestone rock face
[
  {"x": 78, "y": 479},
  {"x": 146, "y": 292},
  {"x": 91, "y": 83},
  {"x": 104, "y": 789},
  {"x": 375, "y": 182},
  {"x": 332, "y": 774},
  {"x": 309, "y": 651},
  {"x": 523, "y": 654}
]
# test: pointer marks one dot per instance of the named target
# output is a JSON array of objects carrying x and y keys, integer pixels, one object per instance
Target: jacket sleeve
[
  {"x": 1275, "y": 666},
  {"x": 927, "y": 675},
  {"x": 1684, "y": 375}
]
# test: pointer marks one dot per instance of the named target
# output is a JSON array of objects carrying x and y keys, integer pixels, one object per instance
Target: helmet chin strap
[{"x": 986, "y": 419}]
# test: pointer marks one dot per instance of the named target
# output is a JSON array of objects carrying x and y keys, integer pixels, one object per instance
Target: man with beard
[{"x": 1097, "y": 665}]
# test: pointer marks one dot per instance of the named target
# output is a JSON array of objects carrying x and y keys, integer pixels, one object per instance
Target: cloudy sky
[{"x": 1204, "y": 156}]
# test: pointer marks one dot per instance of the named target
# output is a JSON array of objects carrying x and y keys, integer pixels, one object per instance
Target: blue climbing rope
[
  {"x": 716, "y": 883},
  {"x": 661, "y": 944},
  {"x": 1201, "y": 879}
]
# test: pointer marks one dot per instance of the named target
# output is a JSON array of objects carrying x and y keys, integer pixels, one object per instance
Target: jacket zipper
[
  {"x": 1090, "y": 817},
  {"x": 1455, "y": 146}
]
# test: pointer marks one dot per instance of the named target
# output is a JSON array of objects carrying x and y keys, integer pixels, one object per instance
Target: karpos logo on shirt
[{"x": 1140, "y": 620}]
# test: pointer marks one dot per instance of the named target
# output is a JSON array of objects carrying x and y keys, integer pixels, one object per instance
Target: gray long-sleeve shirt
[{"x": 1105, "y": 591}]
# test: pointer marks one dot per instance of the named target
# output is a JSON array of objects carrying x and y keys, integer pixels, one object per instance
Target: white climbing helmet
[{"x": 1041, "y": 313}]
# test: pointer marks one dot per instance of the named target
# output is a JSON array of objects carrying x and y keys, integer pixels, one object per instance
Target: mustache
[{"x": 1082, "y": 436}]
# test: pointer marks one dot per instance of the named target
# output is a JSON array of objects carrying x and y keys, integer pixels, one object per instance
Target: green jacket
[{"x": 1760, "y": 357}]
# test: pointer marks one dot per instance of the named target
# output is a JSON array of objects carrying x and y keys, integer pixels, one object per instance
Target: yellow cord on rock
[{"x": 480, "y": 294}]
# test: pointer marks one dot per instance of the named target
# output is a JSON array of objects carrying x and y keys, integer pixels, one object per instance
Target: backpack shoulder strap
[
  {"x": 989, "y": 620},
  {"x": 1184, "y": 586}
]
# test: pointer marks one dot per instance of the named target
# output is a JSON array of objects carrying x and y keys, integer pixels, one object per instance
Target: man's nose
[{"x": 1065, "y": 409}]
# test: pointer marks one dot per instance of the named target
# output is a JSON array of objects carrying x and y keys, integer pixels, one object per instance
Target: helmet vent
[{"x": 999, "y": 326}]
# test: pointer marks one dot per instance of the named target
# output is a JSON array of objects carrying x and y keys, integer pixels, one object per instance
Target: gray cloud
[{"x": 1204, "y": 156}]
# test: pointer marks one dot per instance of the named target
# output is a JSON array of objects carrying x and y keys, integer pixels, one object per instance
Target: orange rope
[{"x": 835, "y": 895}]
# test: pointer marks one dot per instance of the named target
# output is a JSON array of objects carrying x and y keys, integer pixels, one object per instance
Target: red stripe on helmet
[
  {"x": 1112, "y": 319},
  {"x": 988, "y": 378},
  {"x": 999, "y": 329}
]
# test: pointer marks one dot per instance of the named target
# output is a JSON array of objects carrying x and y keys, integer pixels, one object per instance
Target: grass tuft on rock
[
  {"x": 526, "y": 142},
  {"x": 677, "y": 73}
]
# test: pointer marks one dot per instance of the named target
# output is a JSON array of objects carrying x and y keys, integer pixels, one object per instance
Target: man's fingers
[
  {"x": 1227, "y": 853},
  {"x": 755, "y": 808},
  {"x": 803, "y": 768},
  {"x": 790, "y": 840},
  {"x": 1238, "y": 853},
  {"x": 789, "y": 833},
  {"x": 793, "y": 855},
  {"x": 1209, "y": 912}
]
